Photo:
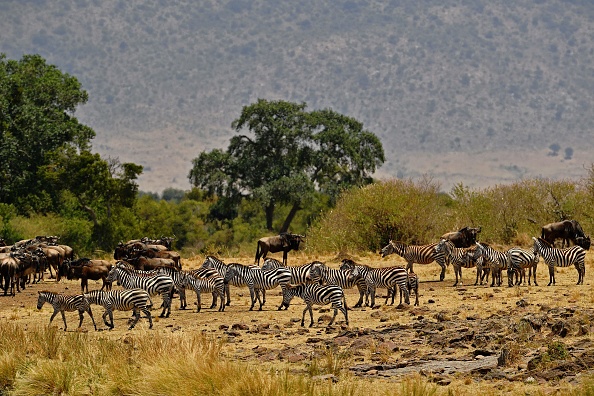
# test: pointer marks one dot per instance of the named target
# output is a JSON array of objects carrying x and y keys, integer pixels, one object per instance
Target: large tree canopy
[
  {"x": 287, "y": 156},
  {"x": 37, "y": 103}
]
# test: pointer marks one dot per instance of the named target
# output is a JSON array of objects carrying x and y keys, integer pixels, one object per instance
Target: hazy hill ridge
[{"x": 481, "y": 92}]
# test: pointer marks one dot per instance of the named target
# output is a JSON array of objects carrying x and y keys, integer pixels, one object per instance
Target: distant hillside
[{"x": 472, "y": 91}]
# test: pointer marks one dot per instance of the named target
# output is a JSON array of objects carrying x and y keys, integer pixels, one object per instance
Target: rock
[
  {"x": 560, "y": 328},
  {"x": 240, "y": 326},
  {"x": 313, "y": 340}
]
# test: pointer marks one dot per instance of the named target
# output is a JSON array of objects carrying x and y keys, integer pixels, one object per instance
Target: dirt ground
[{"x": 500, "y": 334}]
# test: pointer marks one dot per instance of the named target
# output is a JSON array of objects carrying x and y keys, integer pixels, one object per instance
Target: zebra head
[
  {"x": 347, "y": 264},
  {"x": 42, "y": 298}
]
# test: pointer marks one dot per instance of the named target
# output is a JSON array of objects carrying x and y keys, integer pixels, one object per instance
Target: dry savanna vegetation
[{"x": 459, "y": 340}]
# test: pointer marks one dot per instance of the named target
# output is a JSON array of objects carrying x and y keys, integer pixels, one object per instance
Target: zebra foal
[
  {"x": 137, "y": 300},
  {"x": 575, "y": 255},
  {"x": 519, "y": 260},
  {"x": 316, "y": 294},
  {"x": 62, "y": 303}
]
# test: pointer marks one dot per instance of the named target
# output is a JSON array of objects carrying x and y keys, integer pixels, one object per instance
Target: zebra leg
[
  {"x": 253, "y": 296},
  {"x": 303, "y": 317},
  {"x": 222, "y": 297},
  {"x": 344, "y": 310},
  {"x": 147, "y": 312},
  {"x": 104, "y": 316},
  {"x": 361, "y": 293},
  {"x": 334, "y": 316},
  {"x": 198, "y": 301},
  {"x": 136, "y": 319},
  {"x": 404, "y": 290},
  {"x": 166, "y": 305},
  {"x": 372, "y": 292},
  {"x": 183, "y": 303},
  {"x": 551, "y": 275},
  {"x": 228, "y": 292},
  {"x": 54, "y": 315},
  {"x": 88, "y": 310},
  {"x": 214, "y": 299},
  {"x": 310, "y": 316}
]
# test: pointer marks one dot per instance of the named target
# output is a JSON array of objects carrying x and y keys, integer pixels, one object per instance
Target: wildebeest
[
  {"x": 283, "y": 242},
  {"x": 85, "y": 269},
  {"x": 464, "y": 237},
  {"x": 567, "y": 230}
]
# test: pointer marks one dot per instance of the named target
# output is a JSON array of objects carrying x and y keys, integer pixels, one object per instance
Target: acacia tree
[{"x": 287, "y": 156}]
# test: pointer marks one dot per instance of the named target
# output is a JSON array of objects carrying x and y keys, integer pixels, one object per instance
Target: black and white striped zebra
[
  {"x": 137, "y": 300},
  {"x": 202, "y": 273},
  {"x": 519, "y": 260},
  {"x": 259, "y": 280},
  {"x": 460, "y": 258},
  {"x": 346, "y": 279},
  {"x": 388, "y": 278},
  {"x": 412, "y": 284},
  {"x": 65, "y": 303},
  {"x": 156, "y": 284},
  {"x": 420, "y": 254},
  {"x": 553, "y": 257},
  {"x": 214, "y": 284},
  {"x": 211, "y": 262},
  {"x": 316, "y": 294},
  {"x": 299, "y": 273},
  {"x": 495, "y": 260}
]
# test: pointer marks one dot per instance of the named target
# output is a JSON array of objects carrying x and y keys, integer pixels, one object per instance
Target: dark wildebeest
[
  {"x": 85, "y": 269},
  {"x": 464, "y": 237},
  {"x": 279, "y": 243},
  {"x": 567, "y": 230}
]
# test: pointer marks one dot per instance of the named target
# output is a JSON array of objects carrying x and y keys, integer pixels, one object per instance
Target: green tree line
[{"x": 310, "y": 171}]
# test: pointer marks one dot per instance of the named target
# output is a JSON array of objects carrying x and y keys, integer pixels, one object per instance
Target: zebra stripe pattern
[
  {"x": 519, "y": 260},
  {"x": 156, "y": 284},
  {"x": 412, "y": 285},
  {"x": 459, "y": 258},
  {"x": 346, "y": 279},
  {"x": 214, "y": 284},
  {"x": 575, "y": 255},
  {"x": 315, "y": 294},
  {"x": 420, "y": 254},
  {"x": 137, "y": 300},
  {"x": 212, "y": 262},
  {"x": 259, "y": 280},
  {"x": 65, "y": 303},
  {"x": 387, "y": 278},
  {"x": 494, "y": 260},
  {"x": 299, "y": 273}
]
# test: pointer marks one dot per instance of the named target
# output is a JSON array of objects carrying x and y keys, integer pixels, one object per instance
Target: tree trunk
[
  {"x": 290, "y": 217},
  {"x": 269, "y": 215}
]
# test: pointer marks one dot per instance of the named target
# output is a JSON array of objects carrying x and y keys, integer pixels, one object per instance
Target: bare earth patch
[{"x": 506, "y": 337}]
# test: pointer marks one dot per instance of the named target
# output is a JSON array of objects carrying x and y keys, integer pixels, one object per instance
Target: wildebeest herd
[{"x": 147, "y": 267}]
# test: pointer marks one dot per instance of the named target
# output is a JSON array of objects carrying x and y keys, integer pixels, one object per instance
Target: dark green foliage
[{"x": 288, "y": 156}]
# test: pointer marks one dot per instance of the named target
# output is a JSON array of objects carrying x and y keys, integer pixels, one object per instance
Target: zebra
[
  {"x": 214, "y": 284},
  {"x": 62, "y": 303},
  {"x": 202, "y": 273},
  {"x": 460, "y": 257},
  {"x": 575, "y": 255},
  {"x": 212, "y": 262},
  {"x": 157, "y": 284},
  {"x": 316, "y": 294},
  {"x": 259, "y": 280},
  {"x": 495, "y": 260},
  {"x": 137, "y": 300},
  {"x": 388, "y": 278},
  {"x": 299, "y": 273},
  {"x": 346, "y": 279},
  {"x": 412, "y": 284},
  {"x": 420, "y": 254},
  {"x": 519, "y": 260}
]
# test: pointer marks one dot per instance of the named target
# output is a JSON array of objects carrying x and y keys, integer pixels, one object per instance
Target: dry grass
[{"x": 195, "y": 353}]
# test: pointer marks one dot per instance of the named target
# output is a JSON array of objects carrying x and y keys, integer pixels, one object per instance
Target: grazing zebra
[
  {"x": 212, "y": 262},
  {"x": 214, "y": 284},
  {"x": 202, "y": 273},
  {"x": 420, "y": 254},
  {"x": 346, "y": 279},
  {"x": 459, "y": 257},
  {"x": 62, "y": 303},
  {"x": 412, "y": 285},
  {"x": 156, "y": 284},
  {"x": 137, "y": 300},
  {"x": 519, "y": 260},
  {"x": 575, "y": 255},
  {"x": 387, "y": 278},
  {"x": 495, "y": 260},
  {"x": 316, "y": 294}
]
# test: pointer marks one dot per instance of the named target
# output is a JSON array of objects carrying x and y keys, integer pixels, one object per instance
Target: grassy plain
[{"x": 268, "y": 353}]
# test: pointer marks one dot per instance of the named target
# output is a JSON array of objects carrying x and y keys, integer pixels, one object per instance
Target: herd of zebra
[{"x": 313, "y": 282}]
